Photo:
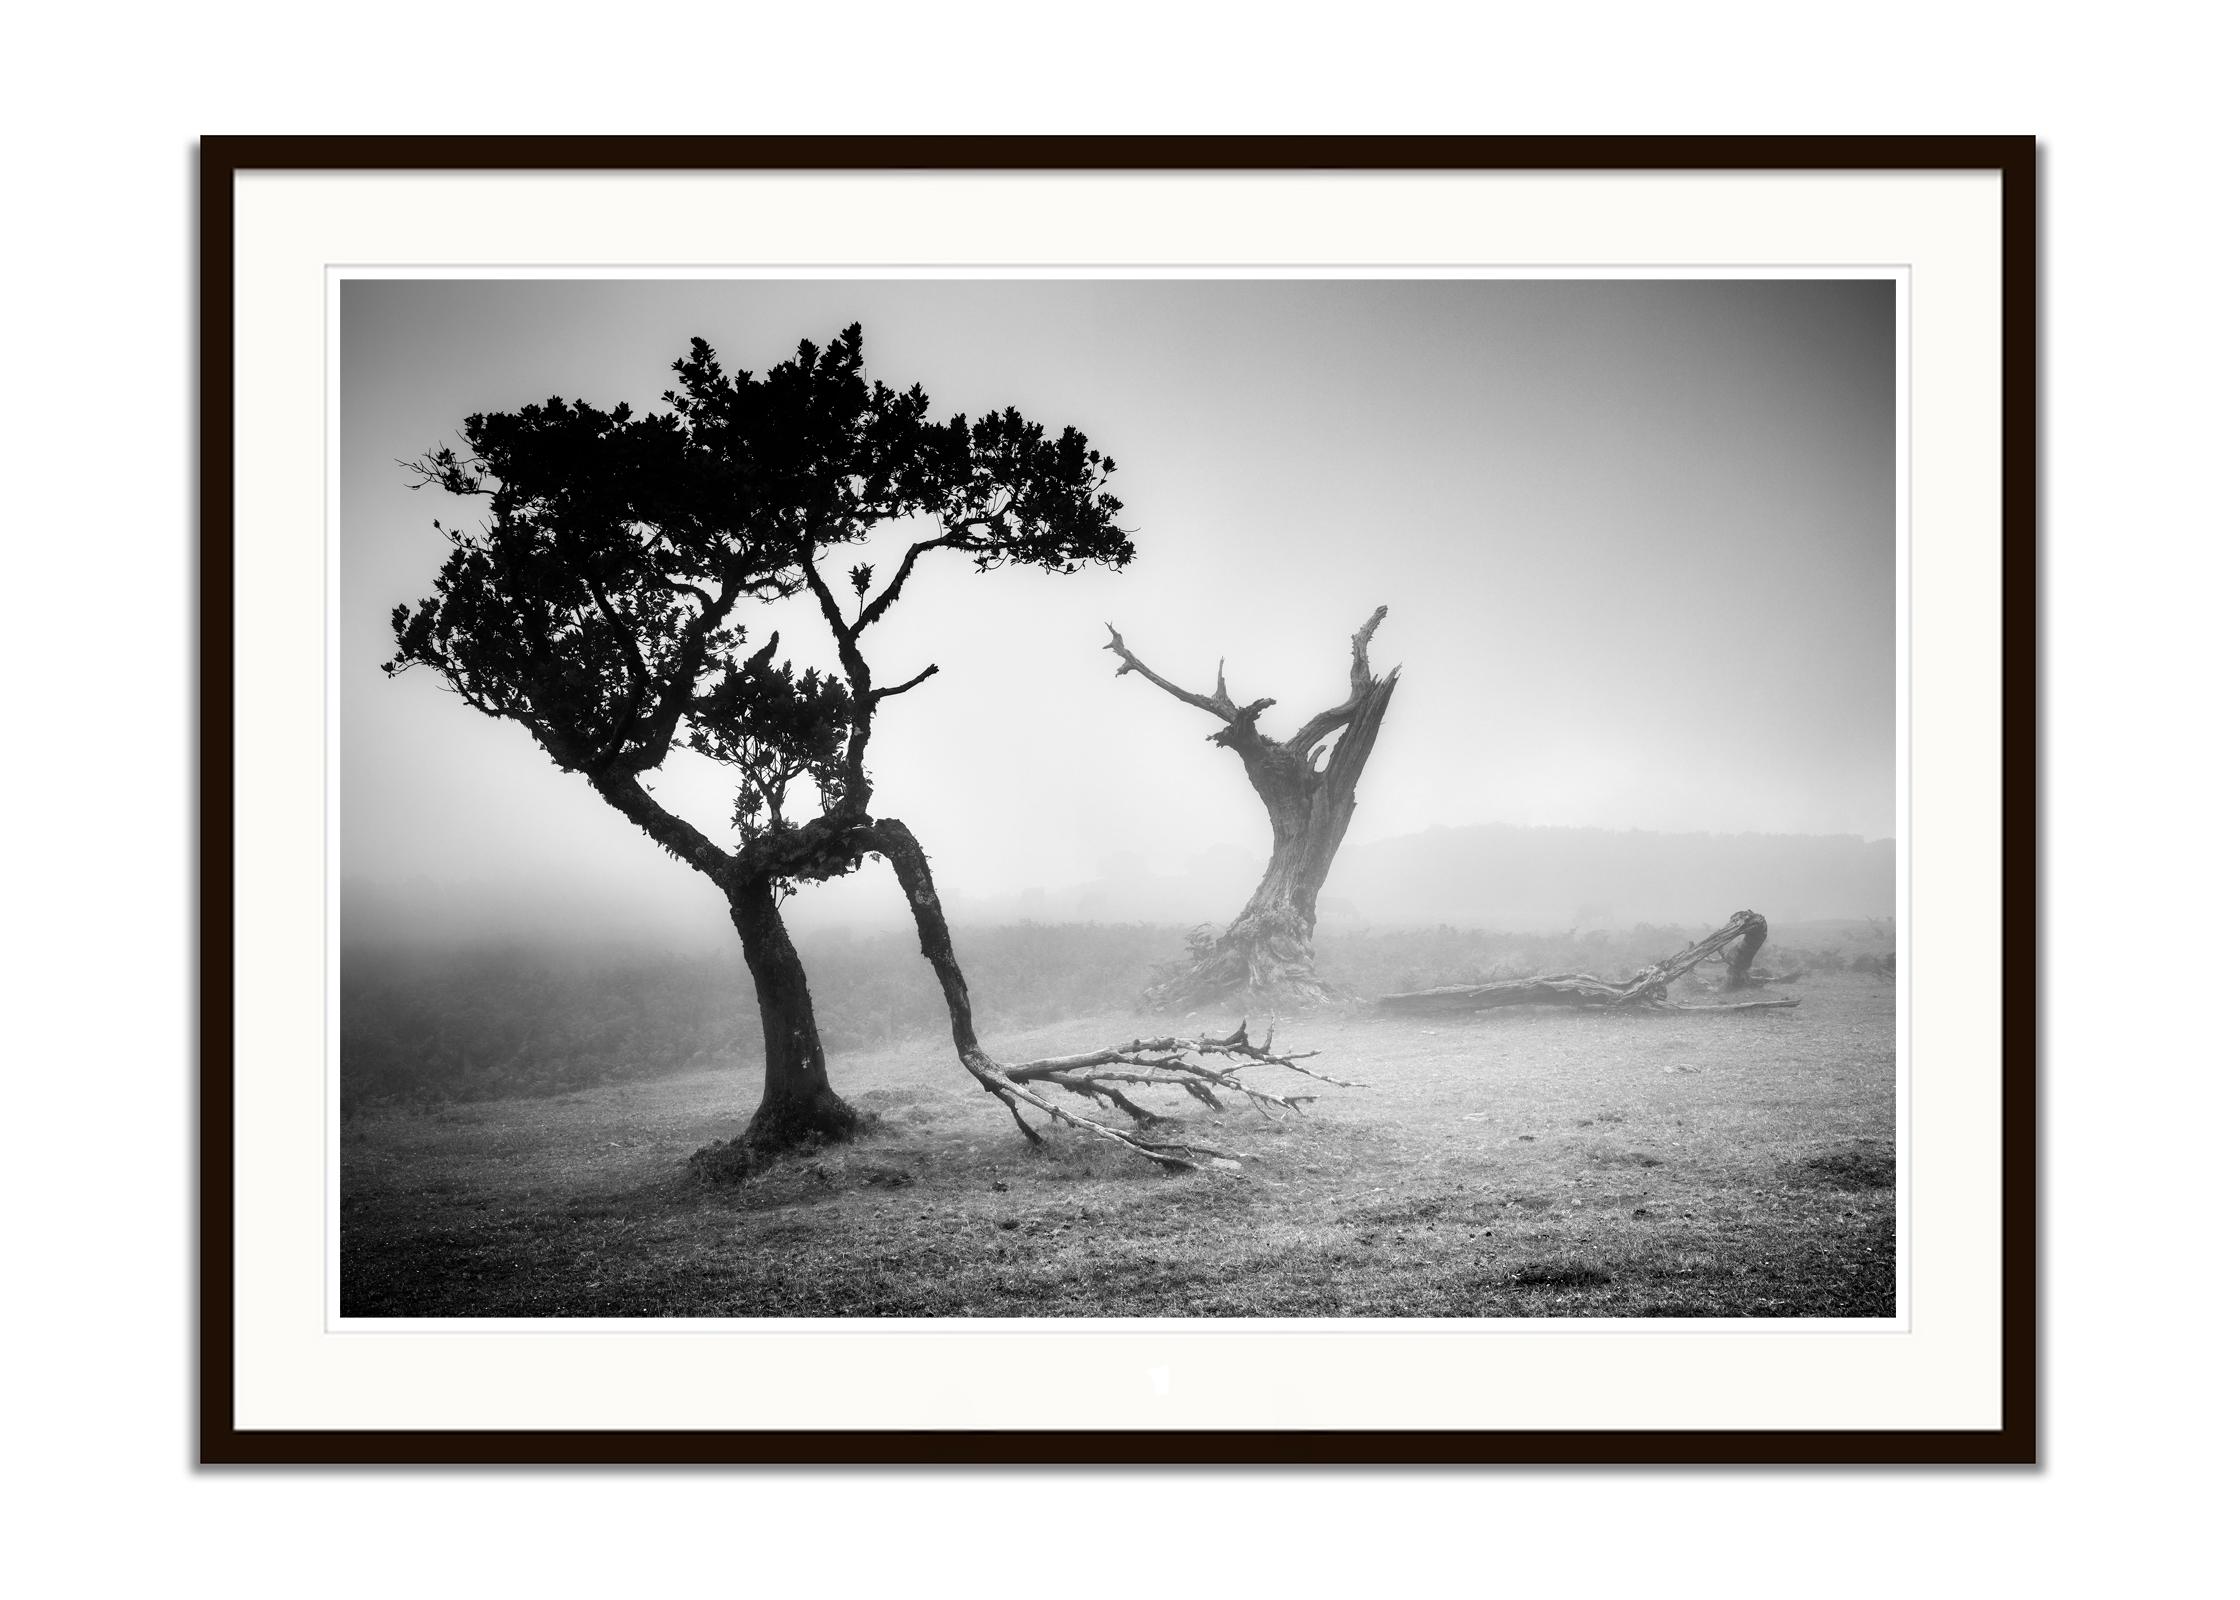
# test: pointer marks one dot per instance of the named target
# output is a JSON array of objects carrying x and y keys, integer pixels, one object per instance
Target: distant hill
[{"x": 1512, "y": 877}]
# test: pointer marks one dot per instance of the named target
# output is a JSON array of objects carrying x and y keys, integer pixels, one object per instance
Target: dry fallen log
[{"x": 1645, "y": 990}]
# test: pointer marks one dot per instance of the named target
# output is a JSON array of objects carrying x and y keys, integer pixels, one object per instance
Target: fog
[{"x": 1637, "y": 540}]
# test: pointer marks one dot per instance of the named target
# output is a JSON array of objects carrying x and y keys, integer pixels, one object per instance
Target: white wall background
[{"x": 101, "y": 111}]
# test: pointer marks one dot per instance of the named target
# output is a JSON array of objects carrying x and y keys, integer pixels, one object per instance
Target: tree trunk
[
  {"x": 1267, "y": 953},
  {"x": 1269, "y": 948},
  {"x": 798, "y": 1104},
  {"x": 915, "y": 874}
]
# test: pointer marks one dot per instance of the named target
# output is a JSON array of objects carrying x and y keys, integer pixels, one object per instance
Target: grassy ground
[{"x": 1500, "y": 1164}]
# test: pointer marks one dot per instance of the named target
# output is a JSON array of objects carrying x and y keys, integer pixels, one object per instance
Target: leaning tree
[
  {"x": 605, "y": 606},
  {"x": 1307, "y": 785}
]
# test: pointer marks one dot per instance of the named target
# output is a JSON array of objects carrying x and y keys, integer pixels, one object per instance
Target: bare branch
[
  {"x": 1167, "y": 1062},
  {"x": 877, "y": 608},
  {"x": 1174, "y": 1154},
  {"x": 1216, "y": 704},
  {"x": 957, "y": 535},
  {"x": 856, "y": 786},
  {"x": 680, "y": 838},
  {"x": 1324, "y": 723},
  {"x": 905, "y": 688},
  {"x": 1361, "y": 650},
  {"x": 805, "y": 560}
]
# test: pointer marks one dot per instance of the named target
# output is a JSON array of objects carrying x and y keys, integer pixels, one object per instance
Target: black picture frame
[{"x": 2011, "y": 159}]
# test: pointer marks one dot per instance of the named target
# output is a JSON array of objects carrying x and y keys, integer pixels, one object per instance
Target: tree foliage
[{"x": 603, "y": 605}]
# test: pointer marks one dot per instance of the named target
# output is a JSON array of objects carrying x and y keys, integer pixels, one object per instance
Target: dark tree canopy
[
  {"x": 600, "y": 605},
  {"x": 604, "y": 605}
]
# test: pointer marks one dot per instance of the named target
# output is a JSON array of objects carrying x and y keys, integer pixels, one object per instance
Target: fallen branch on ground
[
  {"x": 1644, "y": 991},
  {"x": 1097, "y": 1075},
  {"x": 1175, "y": 1062}
]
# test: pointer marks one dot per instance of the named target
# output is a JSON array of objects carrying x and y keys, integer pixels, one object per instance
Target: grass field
[{"x": 1517, "y": 1163}]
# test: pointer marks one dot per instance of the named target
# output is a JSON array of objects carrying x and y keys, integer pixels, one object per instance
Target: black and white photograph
[
  {"x": 1150, "y": 796},
  {"x": 1453, "y": 897}
]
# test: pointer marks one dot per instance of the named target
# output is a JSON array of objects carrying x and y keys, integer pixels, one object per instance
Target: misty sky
[{"x": 1637, "y": 538}]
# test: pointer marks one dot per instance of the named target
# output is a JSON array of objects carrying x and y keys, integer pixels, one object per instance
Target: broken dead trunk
[
  {"x": 1743, "y": 952},
  {"x": 1744, "y": 933},
  {"x": 1267, "y": 953}
]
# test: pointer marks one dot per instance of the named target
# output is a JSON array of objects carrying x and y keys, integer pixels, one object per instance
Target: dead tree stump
[{"x": 1307, "y": 784}]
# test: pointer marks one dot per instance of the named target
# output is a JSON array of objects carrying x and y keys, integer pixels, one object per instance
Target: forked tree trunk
[
  {"x": 797, "y": 1101},
  {"x": 1270, "y": 945},
  {"x": 1267, "y": 953}
]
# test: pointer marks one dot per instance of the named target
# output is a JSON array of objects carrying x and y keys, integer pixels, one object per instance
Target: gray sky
[{"x": 1637, "y": 539}]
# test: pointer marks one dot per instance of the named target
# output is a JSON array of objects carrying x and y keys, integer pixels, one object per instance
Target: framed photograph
[{"x": 1118, "y": 801}]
